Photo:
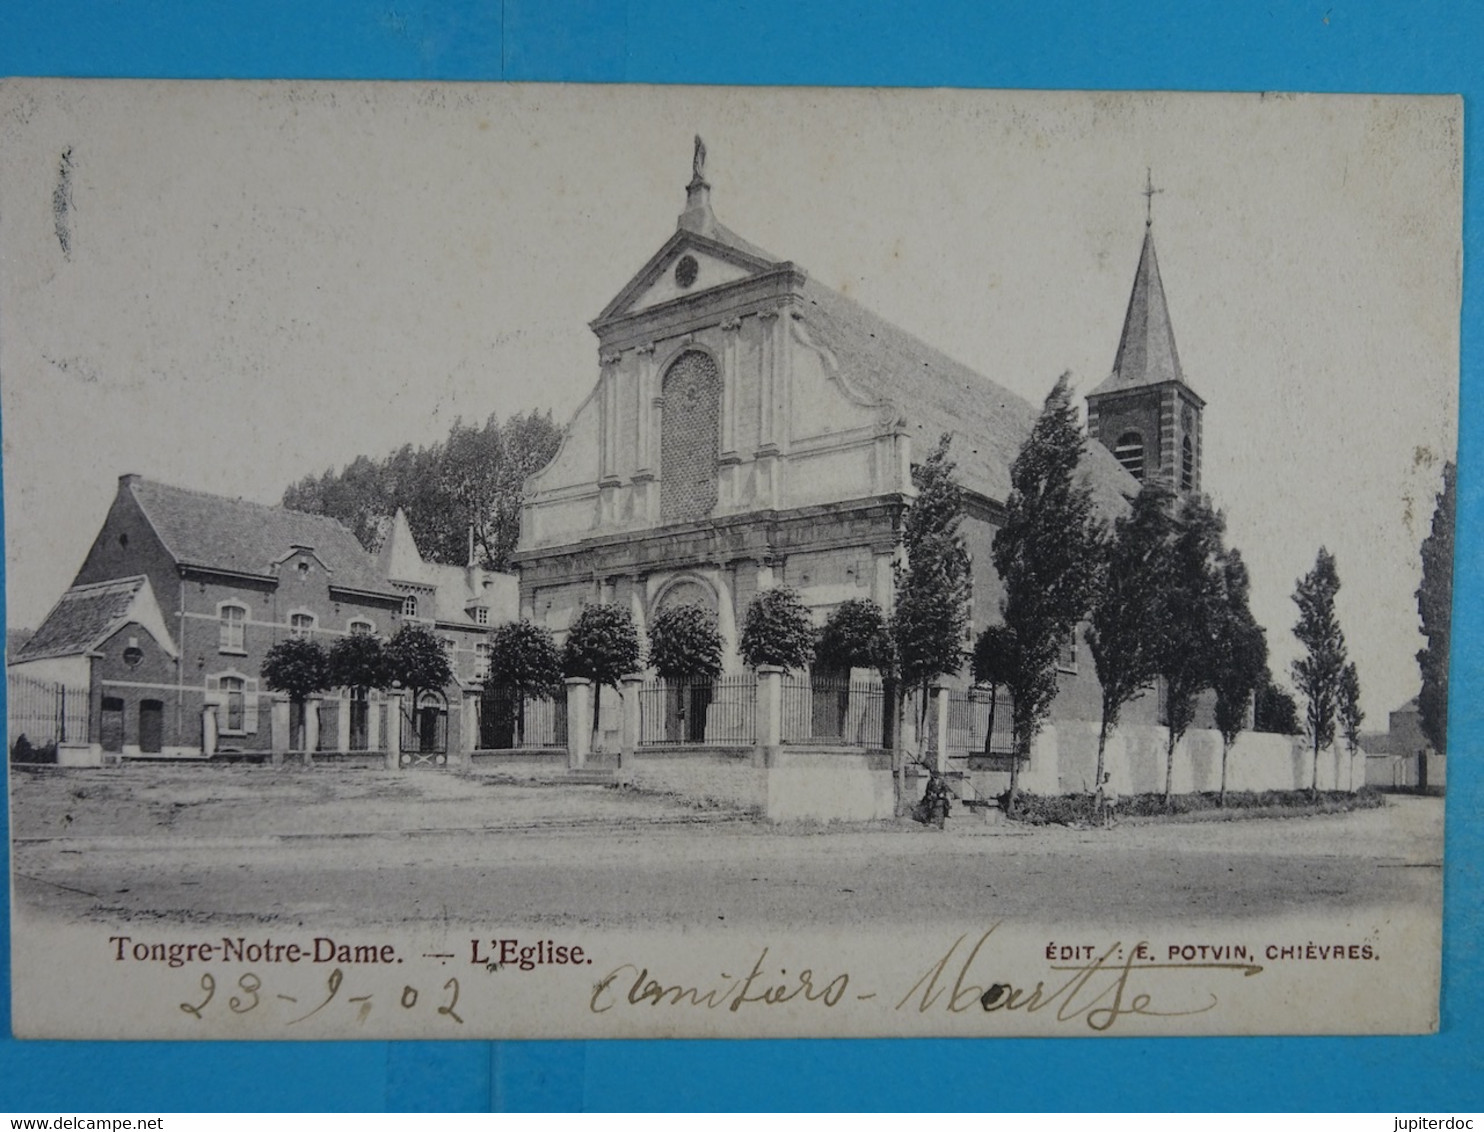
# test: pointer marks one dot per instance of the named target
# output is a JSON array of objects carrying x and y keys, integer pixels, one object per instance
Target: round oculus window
[{"x": 687, "y": 270}]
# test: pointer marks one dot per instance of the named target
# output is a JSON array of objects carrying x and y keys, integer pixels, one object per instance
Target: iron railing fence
[
  {"x": 833, "y": 710},
  {"x": 969, "y": 723},
  {"x": 721, "y": 712},
  {"x": 46, "y": 711},
  {"x": 506, "y": 722}
]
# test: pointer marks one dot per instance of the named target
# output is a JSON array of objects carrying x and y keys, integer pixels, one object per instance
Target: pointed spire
[
  {"x": 697, "y": 216},
  {"x": 399, "y": 557},
  {"x": 1146, "y": 350}
]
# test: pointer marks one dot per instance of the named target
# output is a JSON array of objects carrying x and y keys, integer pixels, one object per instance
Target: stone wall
[{"x": 723, "y": 776}]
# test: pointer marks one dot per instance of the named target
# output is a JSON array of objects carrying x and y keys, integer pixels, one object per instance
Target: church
[{"x": 751, "y": 427}]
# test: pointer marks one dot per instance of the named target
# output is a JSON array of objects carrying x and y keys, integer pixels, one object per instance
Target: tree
[
  {"x": 1274, "y": 710},
  {"x": 777, "y": 630},
  {"x": 1124, "y": 630},
  {"x": 525, "y": 664},
  {"x": 602, "y": 646},
  {"x": 1188, "y": 619},
  {"x": 994, "y": 663},
  {"x": 358, "y": 661},
  {"x": 854, "y": 636},
  {"x": 525, "y": 660},
  {"x": 298, "y": 667},
  {"x": 1241, "y": 657},
  {"x": 1046, "y": 557},
  {"x": 1351, "y": 717},
  {"x": 932, "y": 585},
  {"x": 1435, "y": 606},
  {"x": 1318, "y": 673},
  {"x": 470, "y": 484},
  {"x": 417, "y": 661},
  {"x": 685, "y": 643}
]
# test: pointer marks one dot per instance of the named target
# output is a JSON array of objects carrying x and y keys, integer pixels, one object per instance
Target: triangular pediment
[{"x": 666, "y": 277}]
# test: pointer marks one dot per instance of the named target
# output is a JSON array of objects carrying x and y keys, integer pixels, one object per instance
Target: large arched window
[
  {"x": 690, "y": 431},
  {"x": 1187, "y": 465},
  {"x": 1130, "y": 453}
]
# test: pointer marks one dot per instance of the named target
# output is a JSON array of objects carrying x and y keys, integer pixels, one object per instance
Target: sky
[{"x": 262, "y": 281}]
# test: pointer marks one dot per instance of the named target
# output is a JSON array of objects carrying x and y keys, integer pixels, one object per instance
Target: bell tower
[{"x": 1144, "y": 412}]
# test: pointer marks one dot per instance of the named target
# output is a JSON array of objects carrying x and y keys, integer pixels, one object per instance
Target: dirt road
[{"x": 198, "y": 844}]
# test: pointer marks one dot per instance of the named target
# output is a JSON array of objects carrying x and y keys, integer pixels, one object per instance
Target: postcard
[{"x": 525, "y": 561}]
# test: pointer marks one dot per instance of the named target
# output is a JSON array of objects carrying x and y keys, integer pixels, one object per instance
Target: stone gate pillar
[
  {"x": 769, "y": 722},
  {"x": 278, "y": 731},
  {"x": 468, "y": 728},
  {"x": 311, "y": 729},
  {"x": 630, "y": 688},
  {"x": 939, "y": 724},
  {"x": 579, "y": 721},
  {"x": 393, "y": 730}
]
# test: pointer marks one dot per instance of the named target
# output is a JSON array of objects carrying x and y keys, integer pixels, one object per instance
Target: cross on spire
[{"x": 1148, "y": 193}]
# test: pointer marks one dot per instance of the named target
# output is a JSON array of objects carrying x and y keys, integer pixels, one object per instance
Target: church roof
[
  {"x": 1146, "y": 350},
  {"x": 935, "y": 394},
  {"x": 218, "y": 533}
]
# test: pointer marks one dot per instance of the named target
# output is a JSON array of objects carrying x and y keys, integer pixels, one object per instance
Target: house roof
[
  {"x": 455, "y": 588},
  {"x": 935, "y": 394},
  {"x": 87, "y": 615},
  {"x": 1146, "y": 349},
  {"x": 234, "y": 535}
]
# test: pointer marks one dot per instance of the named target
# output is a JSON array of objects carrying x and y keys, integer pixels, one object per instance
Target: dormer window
[
  {"x": 409, "y": 605},
  {"x": 481, "y": 615}
]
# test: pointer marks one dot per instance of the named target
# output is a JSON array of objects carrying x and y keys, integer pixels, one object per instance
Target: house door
[
  {"x": 111, "y": 724},
  {"x": 151, "y": 727}
]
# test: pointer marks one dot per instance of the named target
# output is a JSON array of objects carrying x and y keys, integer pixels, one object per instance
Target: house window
[
  {"x": 409, "y": 605},
  {"x": 1130, "y": 453},
  {"x": 481, "y": 616},
  {"x": 450, "y": 647},
  {"x": 301, "y": 624},
  {"x": 481, "y": 660},
  {"x": 361, "y": 628},
  {"x": 1187, "y": 465},
  {"x": 233, "y": 628},
  {"x": 235, "y": 690}
]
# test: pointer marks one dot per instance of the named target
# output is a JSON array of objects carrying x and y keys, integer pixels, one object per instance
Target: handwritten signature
[{"x": 1097, "y": 992}]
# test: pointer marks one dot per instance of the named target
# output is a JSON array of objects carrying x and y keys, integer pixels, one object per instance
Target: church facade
[{"x": 751, "y": 427}]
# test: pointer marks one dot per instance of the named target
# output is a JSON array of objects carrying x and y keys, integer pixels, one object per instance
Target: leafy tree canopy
[
  {"x": 1435, "y": 606},
  {"x": 855, "y": 636},
  {"x": 602, "y": 645},
  {"x": 1350, "y": 715},
  {"x": 416, "y": 659},
  {"x": 297, "y": 667},
  {"x": 1046, "y": 556},
  {"x": 475, "y": 477},
  {"x": 777, "y": 630},
  {"x": 1190, "y": 610},
  {"x": 995, "y": 660},
  {"x": 685, "y": 643},
  {"x": 933, "y": 585},
  {"x": 1274, "y": 710},
  {"x": 1318, "y": 672},
  {"x": 524, "y": 658},
  {"x": 358, "y": 661},
  {"x": 1240, "y": 663},
  {"x": 1125, "y": 627}
]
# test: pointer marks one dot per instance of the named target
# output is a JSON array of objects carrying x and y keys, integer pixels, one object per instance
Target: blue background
[{"x": 1320, "y": 46}]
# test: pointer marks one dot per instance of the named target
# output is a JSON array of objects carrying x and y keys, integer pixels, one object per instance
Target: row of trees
[
  {"x": 473, "y": 480},
  {"x": 413, "y": 659}
]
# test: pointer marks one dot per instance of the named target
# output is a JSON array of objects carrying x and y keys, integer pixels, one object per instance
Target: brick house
[
  {"x": 181, "y": 596},
  {"x": 752, "y": 427}
]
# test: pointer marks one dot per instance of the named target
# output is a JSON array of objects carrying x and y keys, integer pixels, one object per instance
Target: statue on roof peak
[{"x": 698, "y": 160}]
